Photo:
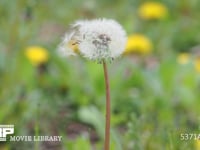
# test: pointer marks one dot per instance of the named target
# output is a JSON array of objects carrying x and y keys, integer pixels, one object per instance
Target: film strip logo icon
[{"x": 5, "y": 130}]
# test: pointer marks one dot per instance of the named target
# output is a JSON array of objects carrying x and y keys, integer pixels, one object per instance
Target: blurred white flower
[{"x": 99, "y": 39}]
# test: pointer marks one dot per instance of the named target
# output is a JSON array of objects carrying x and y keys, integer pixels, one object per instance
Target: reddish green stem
[{"x": 107, "y": 128}]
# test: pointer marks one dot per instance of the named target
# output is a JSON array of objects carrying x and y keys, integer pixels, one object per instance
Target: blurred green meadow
[{"x": 154, "y": 86}]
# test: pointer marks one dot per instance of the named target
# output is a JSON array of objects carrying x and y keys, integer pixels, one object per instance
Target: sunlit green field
[{"x": 155, "y": 84}]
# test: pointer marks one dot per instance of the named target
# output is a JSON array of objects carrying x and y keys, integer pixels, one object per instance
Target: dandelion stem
[{"x": 107, "y": 128}]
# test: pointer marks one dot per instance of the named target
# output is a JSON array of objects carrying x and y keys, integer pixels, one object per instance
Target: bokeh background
[{"x": 154, "y": 86}]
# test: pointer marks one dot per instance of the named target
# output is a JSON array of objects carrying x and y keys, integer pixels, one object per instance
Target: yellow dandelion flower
[
  {"x": 197, "y": 144},
  {"x": 197, "y": 65},
  {"x": 152, "y": 10},
  {"x": 36, "y": 55},
  {"x": 138, "y": 43},
  {"x": 183, "y": 58}
]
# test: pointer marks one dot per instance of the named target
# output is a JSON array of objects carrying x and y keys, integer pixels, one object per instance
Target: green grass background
[{"x": 154, "y": 99}]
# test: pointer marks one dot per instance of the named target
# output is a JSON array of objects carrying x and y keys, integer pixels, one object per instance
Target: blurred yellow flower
[
  {"x": 138, "y": 43},
  {"x": 73, "y": 45},
  {"x": 197, "y": 65},
  {"x": 183, "y": 58},
  {"x": 37, "y": 55},
  {"x": 197, "y": 144},
  {"x": 152, "y": 10}
]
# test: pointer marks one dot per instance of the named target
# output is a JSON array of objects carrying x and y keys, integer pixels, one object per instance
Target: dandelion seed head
[{"x": 99, "y": 39}]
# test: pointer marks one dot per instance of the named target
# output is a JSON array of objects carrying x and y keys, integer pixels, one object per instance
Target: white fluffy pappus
[{"x": 99, "y": 39}]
